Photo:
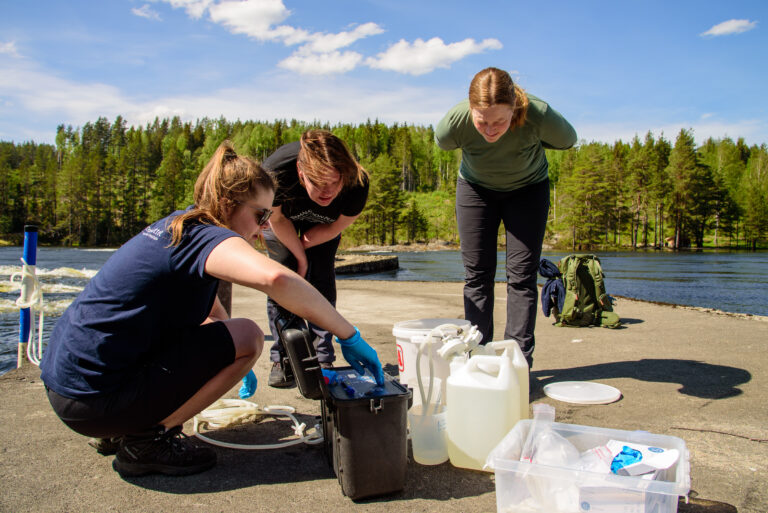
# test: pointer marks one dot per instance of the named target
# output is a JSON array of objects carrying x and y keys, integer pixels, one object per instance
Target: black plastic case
[
  {"x": 365, "y": 429},
  {"x": 364, "y": 425}
]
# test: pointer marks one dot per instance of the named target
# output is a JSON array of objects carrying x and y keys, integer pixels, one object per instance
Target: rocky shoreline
[
  {"x": 372, "y": 258},
  {"x": 416, "y": 246},
  {"x": 355, "y": 263}
]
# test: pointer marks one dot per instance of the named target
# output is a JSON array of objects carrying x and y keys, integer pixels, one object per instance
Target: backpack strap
[
  {"x": 568, "y": 267},
  {"x": 596, "y": 271},
  {"x": 569, "y": 276},
  {"x": 605, "y": 317}
]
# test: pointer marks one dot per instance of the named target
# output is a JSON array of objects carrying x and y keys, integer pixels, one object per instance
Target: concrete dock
[{"x": 694, "y": 374}]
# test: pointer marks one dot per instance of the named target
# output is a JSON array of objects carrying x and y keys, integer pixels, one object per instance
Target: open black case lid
[{"x": 298, "y": 342}]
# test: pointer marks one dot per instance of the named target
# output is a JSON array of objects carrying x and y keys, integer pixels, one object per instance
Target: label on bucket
[{"x": 400, "y": 359}]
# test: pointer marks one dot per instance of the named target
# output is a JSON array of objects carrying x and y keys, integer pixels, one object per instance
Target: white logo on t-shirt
[
  {"x": 152, "y": 233},
  {"x": 311, "y": 217}
]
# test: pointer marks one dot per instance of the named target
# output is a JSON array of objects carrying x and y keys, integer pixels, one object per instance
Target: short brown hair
[
  {"x": 493, "y": 86},
  {"x": 226, "y": 180},
  {"x": 321, "y": 150}
]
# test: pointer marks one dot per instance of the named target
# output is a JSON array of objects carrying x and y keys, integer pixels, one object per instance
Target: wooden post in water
[{"x": 225, "y": 295}]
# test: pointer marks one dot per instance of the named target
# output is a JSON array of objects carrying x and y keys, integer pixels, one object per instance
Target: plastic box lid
[{"x": 352, "y": 387}]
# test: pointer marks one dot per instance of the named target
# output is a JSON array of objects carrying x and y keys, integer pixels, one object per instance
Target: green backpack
[{"x": 586, "y": 302}]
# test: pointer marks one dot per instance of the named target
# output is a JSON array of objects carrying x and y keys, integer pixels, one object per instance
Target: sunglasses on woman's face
[{"x": 262, "y": 215}]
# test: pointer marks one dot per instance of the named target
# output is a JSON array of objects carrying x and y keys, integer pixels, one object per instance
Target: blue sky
[{"x": 613, "y": 68}]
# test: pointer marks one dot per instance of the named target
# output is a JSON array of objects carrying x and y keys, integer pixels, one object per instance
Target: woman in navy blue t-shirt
[{"x": 147, "y": 344}]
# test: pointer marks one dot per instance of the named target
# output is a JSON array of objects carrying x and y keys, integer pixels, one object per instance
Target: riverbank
[
  {"x": 686, "y": 373},
  {"x": 441, "y": 245}
]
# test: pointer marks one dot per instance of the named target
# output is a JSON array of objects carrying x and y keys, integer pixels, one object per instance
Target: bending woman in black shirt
[{"x": 321, "y": 191}]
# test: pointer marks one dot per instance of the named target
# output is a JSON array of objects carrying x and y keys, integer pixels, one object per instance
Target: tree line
[{"x": 103, "y": 182}]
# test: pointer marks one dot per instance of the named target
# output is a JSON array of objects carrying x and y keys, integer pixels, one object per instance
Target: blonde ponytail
[{"x": 226, "y": 180}]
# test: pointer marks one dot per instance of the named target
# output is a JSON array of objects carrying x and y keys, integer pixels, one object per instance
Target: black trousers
[
  {"x": 479, "y": 213},
  {"x": 153, "y": 390},
  {"x": 321, "y": 274}
]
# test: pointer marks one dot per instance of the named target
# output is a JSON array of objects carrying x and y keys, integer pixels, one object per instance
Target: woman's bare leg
[{"x": 249, "y": 342}]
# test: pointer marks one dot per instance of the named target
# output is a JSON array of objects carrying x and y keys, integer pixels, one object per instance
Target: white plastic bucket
[
  {"x": 428, "y": 435},
  {"x": 407, "y": 350}
]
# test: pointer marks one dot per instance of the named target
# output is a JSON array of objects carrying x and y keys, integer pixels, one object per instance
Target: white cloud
[
  {"x": 145, "y": 11},
  {"x": 253, "y": 18},
  {"x": 320, "y": 56},
  {"x": 195, "y": 8},
  {"x": 9, "y": 48},
  {"x": 311, "y": 63},
  {"x": 323, "y": 43},
  {"x": 259, "y": 19},
  {"x": 730, "y": 27},
  {"x": 44, "y": 100},
  {"x": 421, "y": 56},
  {"x": 41, "y": 93}
]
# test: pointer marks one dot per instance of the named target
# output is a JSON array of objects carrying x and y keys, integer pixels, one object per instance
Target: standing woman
[
  {"x": 502, "y": 132},
  {"x": 321, "y": 191},
  {"x": 147, "y": 344}
]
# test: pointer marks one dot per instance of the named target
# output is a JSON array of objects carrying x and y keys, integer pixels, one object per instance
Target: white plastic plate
[{"x": 582, "y": 392}]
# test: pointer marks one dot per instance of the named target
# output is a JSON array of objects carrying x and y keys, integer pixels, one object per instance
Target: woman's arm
[
  {"x": 236, "y": 261},
  {"x": 324, "y": 232},
  {"x": 556, "y": 132},
  {"x": 444, "y": 136},
  {"x": 285, "y": 231}
]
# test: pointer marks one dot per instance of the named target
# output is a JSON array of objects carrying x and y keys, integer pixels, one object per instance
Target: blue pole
[{"x": 30, "y": 257}]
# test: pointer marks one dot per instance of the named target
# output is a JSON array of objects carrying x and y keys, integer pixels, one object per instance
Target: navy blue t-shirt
[
  {"x": 143, "y": 297},
  {"x": 292, "y": 197}
]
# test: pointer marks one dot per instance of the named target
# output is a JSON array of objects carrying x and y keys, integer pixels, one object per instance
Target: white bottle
[
  {"x": 520, "y": 364},
  {"x": 483, "y": 406}
]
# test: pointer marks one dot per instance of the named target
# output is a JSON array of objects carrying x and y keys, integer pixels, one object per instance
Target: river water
[{"x": 730, "y": 281}]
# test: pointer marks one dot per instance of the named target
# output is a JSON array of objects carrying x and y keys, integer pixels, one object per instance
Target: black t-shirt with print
[{"x": 293, "y": 199}]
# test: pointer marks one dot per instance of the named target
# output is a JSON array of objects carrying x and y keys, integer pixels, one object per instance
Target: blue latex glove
[
  {"x": 331, "y": 377},
  {"x": 359, "y": 354},
  {"x": 249, "y": 385},
  {"x": 626, "y": 457}
]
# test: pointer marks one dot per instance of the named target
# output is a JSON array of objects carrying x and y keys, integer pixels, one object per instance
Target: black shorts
[{"x": 156, "y": 390}]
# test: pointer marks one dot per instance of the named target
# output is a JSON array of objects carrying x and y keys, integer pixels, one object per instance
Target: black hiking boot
[
  {"x": 105, "y": 446},
  {"x": 158, "y": 452},
  {"x": 279, "y": 378}
]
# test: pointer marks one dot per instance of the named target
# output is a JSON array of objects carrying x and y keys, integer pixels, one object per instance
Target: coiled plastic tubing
[{"x": 233, "y": 412}]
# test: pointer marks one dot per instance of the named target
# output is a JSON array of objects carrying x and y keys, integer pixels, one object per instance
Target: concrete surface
[{"x": 692, "y": 374}]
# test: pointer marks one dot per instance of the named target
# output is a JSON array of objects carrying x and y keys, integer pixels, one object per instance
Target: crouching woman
[{"x": 147, "y": 345}]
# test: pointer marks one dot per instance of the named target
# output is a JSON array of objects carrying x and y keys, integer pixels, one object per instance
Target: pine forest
[{"x": 100, "y": 184}]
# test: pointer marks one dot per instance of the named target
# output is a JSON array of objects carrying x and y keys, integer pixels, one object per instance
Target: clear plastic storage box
[{"x": 530, "y": 487}]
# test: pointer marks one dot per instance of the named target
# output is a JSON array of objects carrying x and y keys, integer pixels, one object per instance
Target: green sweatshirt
[{"x": 517, "y": 159}]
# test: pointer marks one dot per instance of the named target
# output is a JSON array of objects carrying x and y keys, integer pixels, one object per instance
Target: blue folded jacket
[{"x": 553, "y": 291}]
